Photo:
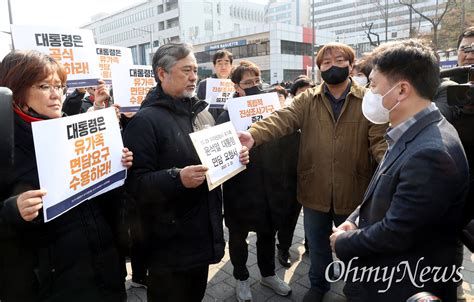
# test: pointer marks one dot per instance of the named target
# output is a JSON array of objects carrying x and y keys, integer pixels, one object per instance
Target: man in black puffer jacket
[{"x": 183, "y": 220}]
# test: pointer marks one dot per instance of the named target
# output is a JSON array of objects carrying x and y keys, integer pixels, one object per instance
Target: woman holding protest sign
[{"x": 73, "y": 257}]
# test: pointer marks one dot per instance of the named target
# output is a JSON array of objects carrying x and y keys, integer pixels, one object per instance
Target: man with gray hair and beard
[{"x": 181, "y": 219}]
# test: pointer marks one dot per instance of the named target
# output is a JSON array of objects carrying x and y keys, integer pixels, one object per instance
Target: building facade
[
  {"x": 293, "y": 12},
  {"x": 348, "y": 21},
  {"x": 161, "y": 21},
  {"x": 281, "y": 51}
]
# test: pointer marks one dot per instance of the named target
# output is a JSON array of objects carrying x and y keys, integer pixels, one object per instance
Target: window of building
[
  {"x": 171, "y": 5},
  {"x": 218, "y": 25},
  {"x": 208, "y": 25},
  {"x": 291, "y": 74},
  {"x": 160, "y": 8},
  {"x": 202, "y": 57},
  {"x": 236, "y": 27},
  {"x": 252, "y": 50},
  {"x": 263, "y": 49},
  {"x": 161, "y": 25},
  {"x": 172, "y": 23},
  {"x": 235, "y": 52},
  {"x": 218, "y": 8},
  {"x": 208, "y": 8},
  {"x": 295, "y": 48},
  {"x": 265, "y": 74}
]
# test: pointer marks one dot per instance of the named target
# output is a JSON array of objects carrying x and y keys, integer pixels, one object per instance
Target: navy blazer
[{"x": 410, "y": 215}]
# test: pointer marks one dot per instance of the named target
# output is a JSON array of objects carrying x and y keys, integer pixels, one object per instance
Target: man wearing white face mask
[{"x": 410, "y": 215}]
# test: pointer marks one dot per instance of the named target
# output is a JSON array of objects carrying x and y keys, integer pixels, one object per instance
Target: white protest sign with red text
[
  {"x": 244, "y": 111},
  {"x": 218, "y": 91}
]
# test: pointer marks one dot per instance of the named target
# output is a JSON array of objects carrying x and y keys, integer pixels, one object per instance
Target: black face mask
[
  {"x": 335, "y": 75},
  {"x": 254, "y": 90}
]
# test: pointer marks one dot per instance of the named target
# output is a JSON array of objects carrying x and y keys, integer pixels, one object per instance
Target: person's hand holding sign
[
  {"x": 193, "y": 176},
  {"x": 127, "y": 158},
  {"x": 244, "y": 155},
  {"x": 246, "y": 139},
  {"x": 101, "y": 95},
  {"x": 29, "y": 203}
]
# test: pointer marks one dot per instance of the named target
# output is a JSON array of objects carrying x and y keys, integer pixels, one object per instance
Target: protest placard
[
  {"x": 78, "y": 158},
  {"x": 73, "y": 48},
  {"x": 244, "y": 111},
  {"x": 109, "y": 55},
  {"x": 218, "y": 148},
  {"x": 218, "y": 91},
  {"x": 131, "y": 84}
]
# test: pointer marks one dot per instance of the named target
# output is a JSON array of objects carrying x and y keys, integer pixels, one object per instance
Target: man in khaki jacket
[{"x": 338, "y": 152}]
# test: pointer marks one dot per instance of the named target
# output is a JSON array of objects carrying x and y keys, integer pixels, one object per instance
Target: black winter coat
[
  {"x": 183, "y": 226},
  {"x": 262, "y": 196},
  {"x": 73, "y": 103},
  {"x": 71, "y": 258}
]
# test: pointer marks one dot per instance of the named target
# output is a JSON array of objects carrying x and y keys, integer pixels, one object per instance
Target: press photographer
[{"x": 455, "y": 100}]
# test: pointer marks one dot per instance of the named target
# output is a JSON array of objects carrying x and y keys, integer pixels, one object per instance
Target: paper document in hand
[{"x": 218, "y": 148}]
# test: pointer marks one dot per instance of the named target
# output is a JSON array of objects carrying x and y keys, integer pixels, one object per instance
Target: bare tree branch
[
  {"x": 369, "y": 34},
  {"x": 435, "y": 21}
]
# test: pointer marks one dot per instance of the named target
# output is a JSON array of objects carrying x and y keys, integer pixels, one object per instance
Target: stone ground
[{"x": 221, "y": 284}]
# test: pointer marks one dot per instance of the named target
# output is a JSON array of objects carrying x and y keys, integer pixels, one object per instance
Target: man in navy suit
[{"x": 402, "y": 238}]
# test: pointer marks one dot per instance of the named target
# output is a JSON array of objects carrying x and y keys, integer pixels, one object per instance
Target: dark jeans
[
  {"x": 285, "y": 232},
  {"x": 318, "y": 228},
  {"x": 239, "y": 253},
  {"x": 183, "y": 286}
]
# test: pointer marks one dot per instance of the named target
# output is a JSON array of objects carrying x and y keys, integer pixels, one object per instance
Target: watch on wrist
[{"x": 174, "y": 172}]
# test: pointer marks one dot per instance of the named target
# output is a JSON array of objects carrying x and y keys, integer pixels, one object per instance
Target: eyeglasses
[
  {"x": 223, "y": 63},
  {"x": 45, "y": 88},
  {"x": 467, "y": 48},
  {"x": 251, "y": 82}
]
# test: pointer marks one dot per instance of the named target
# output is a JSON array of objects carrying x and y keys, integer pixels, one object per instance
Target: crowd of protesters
[{"x": 373, "y": 155}]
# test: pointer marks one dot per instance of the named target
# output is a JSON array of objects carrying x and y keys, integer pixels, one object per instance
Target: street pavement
[{"x": 221, "y": 284}]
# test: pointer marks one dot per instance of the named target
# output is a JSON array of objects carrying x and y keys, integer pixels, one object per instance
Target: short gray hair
[{"x": 167, "y": 55}]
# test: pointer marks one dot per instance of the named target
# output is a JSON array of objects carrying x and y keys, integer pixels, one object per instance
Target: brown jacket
[{"x": 335, "y": 162}]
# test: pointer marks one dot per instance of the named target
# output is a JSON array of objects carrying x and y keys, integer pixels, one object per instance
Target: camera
[
  {"x": 423, "y": 297},
  {"x": 463, "y": 94}
]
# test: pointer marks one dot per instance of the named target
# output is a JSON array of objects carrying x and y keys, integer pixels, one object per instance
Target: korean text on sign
[
  {"x": 109, "y": 55},
  {"x": 218, "y": 148},
  {"x": 85, "y": 161},
  {"x": 72, "y": 47},
  {"x": 131, "y": 84},
  {"x": 244, "y": 111},
  {"x": 218, "y": 91},
  {"x": 92, "y": 157}
]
